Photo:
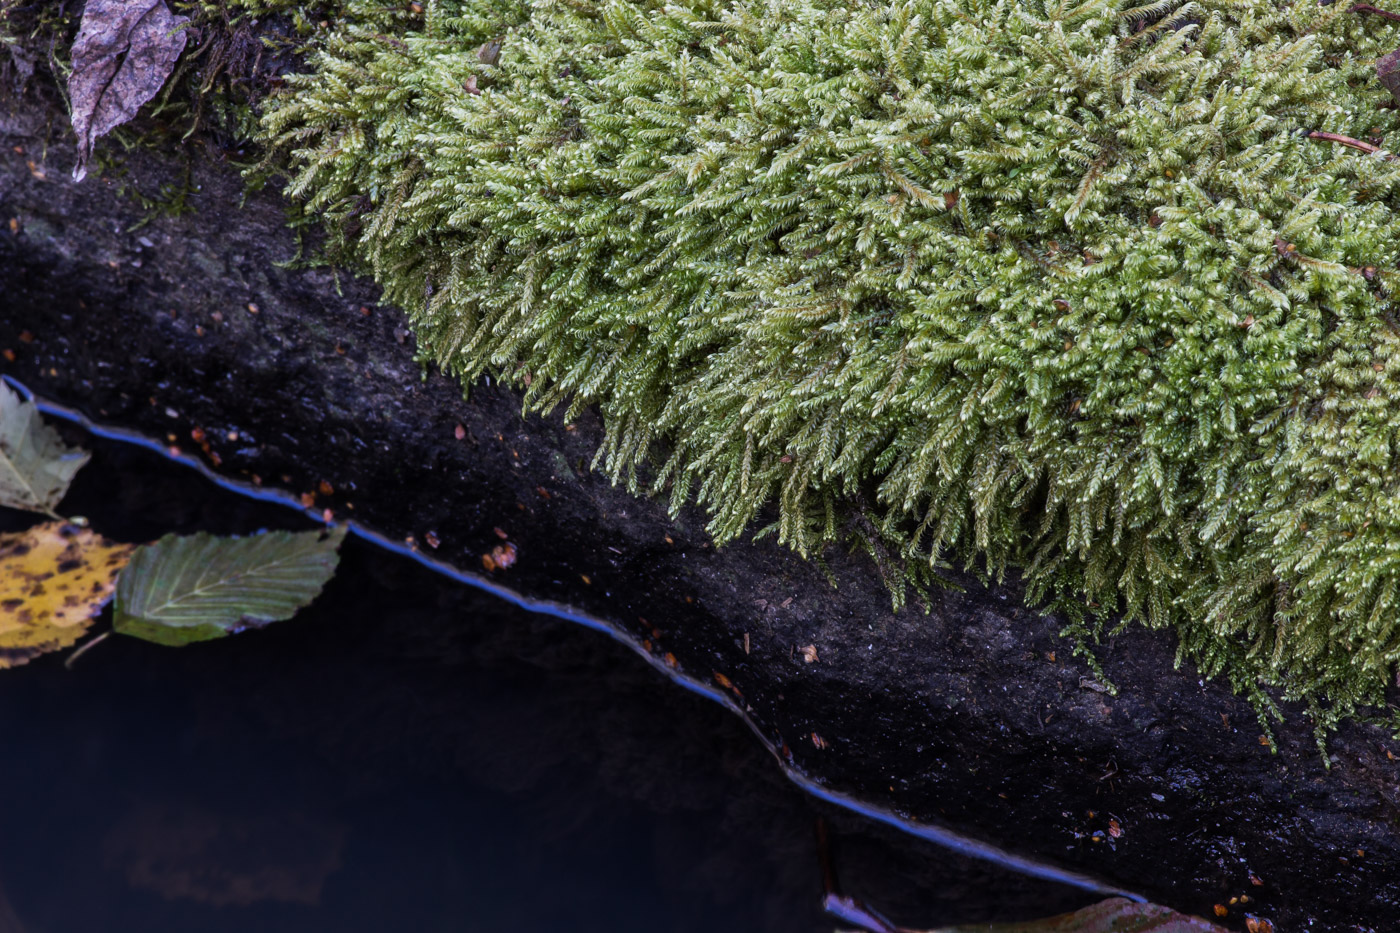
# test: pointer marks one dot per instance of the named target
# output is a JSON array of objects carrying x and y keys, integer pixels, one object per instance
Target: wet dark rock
[{"x": 975, "y": 715}]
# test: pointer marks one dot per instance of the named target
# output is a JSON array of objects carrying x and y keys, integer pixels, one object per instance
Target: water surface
[{"x": 410, "y": 754}]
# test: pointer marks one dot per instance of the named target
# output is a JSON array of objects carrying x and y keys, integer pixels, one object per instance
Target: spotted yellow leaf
[{"x": 54, "y": 578}]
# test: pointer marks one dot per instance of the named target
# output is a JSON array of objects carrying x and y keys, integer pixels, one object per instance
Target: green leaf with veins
[{"x": 187, "y": 589}]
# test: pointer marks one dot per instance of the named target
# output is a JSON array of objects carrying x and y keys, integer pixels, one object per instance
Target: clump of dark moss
[{"x": 1066, "y": 287}]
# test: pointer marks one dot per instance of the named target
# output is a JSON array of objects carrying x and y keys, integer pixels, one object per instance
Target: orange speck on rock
[
  {"x": 670, "y": 660},
  {"x": 308, "y": 499},
  {"x": 502, "y": 556},
  {"x": 500, "y": 534},
  {"x": 1221, "y": 910},
  {"x": 325, "y": 488},
  {"x": 26, "y": 336},
  {"x": 432, "y": 539}
]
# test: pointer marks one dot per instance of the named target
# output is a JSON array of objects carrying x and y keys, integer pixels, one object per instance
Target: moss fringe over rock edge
[{"x": 1064, "y": 287}]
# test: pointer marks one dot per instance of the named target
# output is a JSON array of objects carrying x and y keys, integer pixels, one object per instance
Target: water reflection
[{"x": 410, "y": 755}]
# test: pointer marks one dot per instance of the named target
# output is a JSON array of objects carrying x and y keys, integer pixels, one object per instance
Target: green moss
[{"x": 1062, "y": 287}]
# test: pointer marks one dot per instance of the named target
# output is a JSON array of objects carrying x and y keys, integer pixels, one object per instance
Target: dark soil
[{"x": 974, "y": 715}]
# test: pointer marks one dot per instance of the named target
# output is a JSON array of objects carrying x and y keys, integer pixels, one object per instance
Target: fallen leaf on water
[
  {"x": 124, "y": 52},
  {"x": 54, "y": 578},
  {"x": 183, "y": 590},
  {"x": 35, "y": 465}
]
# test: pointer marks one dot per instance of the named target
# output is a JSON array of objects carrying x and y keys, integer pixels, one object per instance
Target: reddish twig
[
  {"x": 1347, "y": 141},
  {"x": 1367, "y": 8}
]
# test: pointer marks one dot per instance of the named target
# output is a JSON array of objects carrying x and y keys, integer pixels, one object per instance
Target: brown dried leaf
[
  {"x": 1388, "y": 70},
  {"x": 124, "y": 52}
]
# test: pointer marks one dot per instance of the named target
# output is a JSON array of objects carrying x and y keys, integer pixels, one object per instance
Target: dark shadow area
[{"x": 410, "y": 754}]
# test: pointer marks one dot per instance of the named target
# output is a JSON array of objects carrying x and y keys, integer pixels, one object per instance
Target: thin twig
[
  {"x": 1348, "y": 141},
  {"x": 84, "y": 650},
  {"x": 1367, "y": 8}
]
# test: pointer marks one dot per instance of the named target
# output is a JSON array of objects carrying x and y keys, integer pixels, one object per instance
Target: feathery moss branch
[{"x": 1060, "y": 286}]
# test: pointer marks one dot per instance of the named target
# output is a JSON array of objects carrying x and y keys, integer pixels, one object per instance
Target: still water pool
[{"x": 410, "y": 755}]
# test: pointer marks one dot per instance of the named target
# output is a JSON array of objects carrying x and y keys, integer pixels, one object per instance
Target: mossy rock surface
[
  {"x": 935, "y": 715},
  {"x": 1065, "y": 287}
]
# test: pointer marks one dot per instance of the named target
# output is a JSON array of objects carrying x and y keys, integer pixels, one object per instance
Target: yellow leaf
[{"x": 54, "y": 578}]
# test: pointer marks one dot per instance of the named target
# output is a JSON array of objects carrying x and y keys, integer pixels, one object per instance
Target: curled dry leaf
[
  {"x": 490, "y": 52},
  {"x": 54, "y": 578},
  {"x": 124, "y": 52},
  {"x": 35, "y": 465},
  {"x": 1388, "y": 70}
]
